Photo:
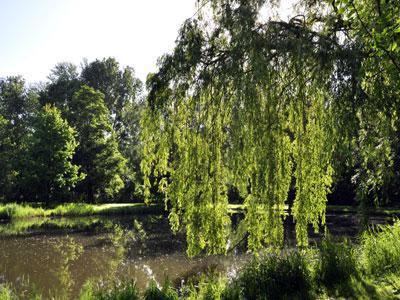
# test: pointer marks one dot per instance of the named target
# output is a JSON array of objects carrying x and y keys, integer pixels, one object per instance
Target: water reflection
[
  {"x": 69, "y": 251},
  {"x": 59, "y": 255}
]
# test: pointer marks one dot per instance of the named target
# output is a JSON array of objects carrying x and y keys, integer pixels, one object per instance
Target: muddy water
[
  {"x": 58, "y": 261},
  {"x": 58, "y": 256}
]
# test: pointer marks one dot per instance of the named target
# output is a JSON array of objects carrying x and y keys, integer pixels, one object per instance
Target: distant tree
[
  {"x": 48, "y": 169},
  {"x": 98, "y": 152},
  {"x": 122, "y": 92},
  {"x": 119, "y": 86},
  {"x": 64, "y": 82},
  {"x": 18, "y": 105},
  {"x": 6, "y": 173}
]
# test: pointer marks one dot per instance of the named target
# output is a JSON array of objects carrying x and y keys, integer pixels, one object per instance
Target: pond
[{"x": 57, "y": 256}]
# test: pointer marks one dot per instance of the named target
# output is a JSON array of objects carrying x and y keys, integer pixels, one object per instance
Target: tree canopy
[
  {"x": 97, "y": 153},
  {"x": 268, "y": 106},
  {"x": 48, "y": 171}
]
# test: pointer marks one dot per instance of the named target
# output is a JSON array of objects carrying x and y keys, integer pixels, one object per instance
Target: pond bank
[
  {"x": 12, "y": 211},
  {"x": 336, "y": 269}
]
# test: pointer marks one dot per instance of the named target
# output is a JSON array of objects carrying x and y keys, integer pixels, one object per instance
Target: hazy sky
[{"x": 37, "y": 34}]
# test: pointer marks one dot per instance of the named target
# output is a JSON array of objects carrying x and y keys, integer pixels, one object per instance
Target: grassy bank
[
  {"x": 336, "y": 269},
  {"x": 13, "y": 211}
]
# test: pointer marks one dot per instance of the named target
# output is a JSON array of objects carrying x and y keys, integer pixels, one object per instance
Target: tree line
[
  {"x": 258, "y": 109},
  {"x": 74, "y": 138}
]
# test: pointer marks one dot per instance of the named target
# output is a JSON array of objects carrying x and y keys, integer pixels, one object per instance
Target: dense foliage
[
  {"x": 73, "y": 138},
  {"x": 48, "y": 171},
  {"x": 273, "y": 113},
  {"x": 273, "y": 109}
]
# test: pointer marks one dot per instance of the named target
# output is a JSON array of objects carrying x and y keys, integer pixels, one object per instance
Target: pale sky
[{"x": 35, "y": 35}]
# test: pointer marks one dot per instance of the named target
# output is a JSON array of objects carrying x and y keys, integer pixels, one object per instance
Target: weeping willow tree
[{"x": 250, "y": 103}]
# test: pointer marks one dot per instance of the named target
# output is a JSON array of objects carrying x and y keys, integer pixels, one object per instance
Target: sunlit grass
[{"x": 19, "y": 211}]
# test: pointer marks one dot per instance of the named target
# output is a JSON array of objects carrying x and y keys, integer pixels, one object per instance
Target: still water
[{"x": 57, "y": 256}]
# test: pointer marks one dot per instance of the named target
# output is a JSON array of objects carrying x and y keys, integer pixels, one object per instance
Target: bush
[
  {"x": 277, "y": 277},
  {"x": 6, "y": 293},
  {"x": 337, "y": 263},
  {"x": 380, "y": 250},
  {"x": 120, "y": 291},
  {"x": 211, "y": 288},
  {"x": 166, "y": 293}
]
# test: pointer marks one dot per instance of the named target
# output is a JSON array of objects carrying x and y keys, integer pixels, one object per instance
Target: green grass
[
  {"x": 14, "y": 211},
  {"x": 9, "y": 293},
  {"x": 167, "y": 292},
  {"x": 126, "y": 290},
  {"x": 380, "y": 250},
  {"x": 6, "y": 293},
  {"x": 337, "y": 264},
  {"x": 277, "y": 276},
  {"x": 24, "y": 225}
]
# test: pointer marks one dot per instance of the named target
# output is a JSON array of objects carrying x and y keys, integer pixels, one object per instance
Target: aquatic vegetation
[
  {"x": 284, "y": 276},
  {"x": 6, "y": 293},
  {"x": 125, "y": 290},
  {"x": 167, "y": 292},
  {"x": 213, "y": 287}
]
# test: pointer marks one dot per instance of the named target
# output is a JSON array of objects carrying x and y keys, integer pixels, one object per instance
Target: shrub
[
  {"x": 120, "y": 291},
  {"x": 211, "y": 288},
  {"x": 380, "y": 252},
  {"x": 337, "y": 263},
  {"x": 6, "y": 293},
  {"x": 87, "y": 291},
  {"x": 277, "y": 277},
  {"x": 166, "y": 293}
]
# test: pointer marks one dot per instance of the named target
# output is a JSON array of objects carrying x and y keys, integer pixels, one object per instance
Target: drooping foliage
[
  {"x": 237, "y": 104},
  {"x": 268, "y": 107},
  {"x": 375, "y": 27}
]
